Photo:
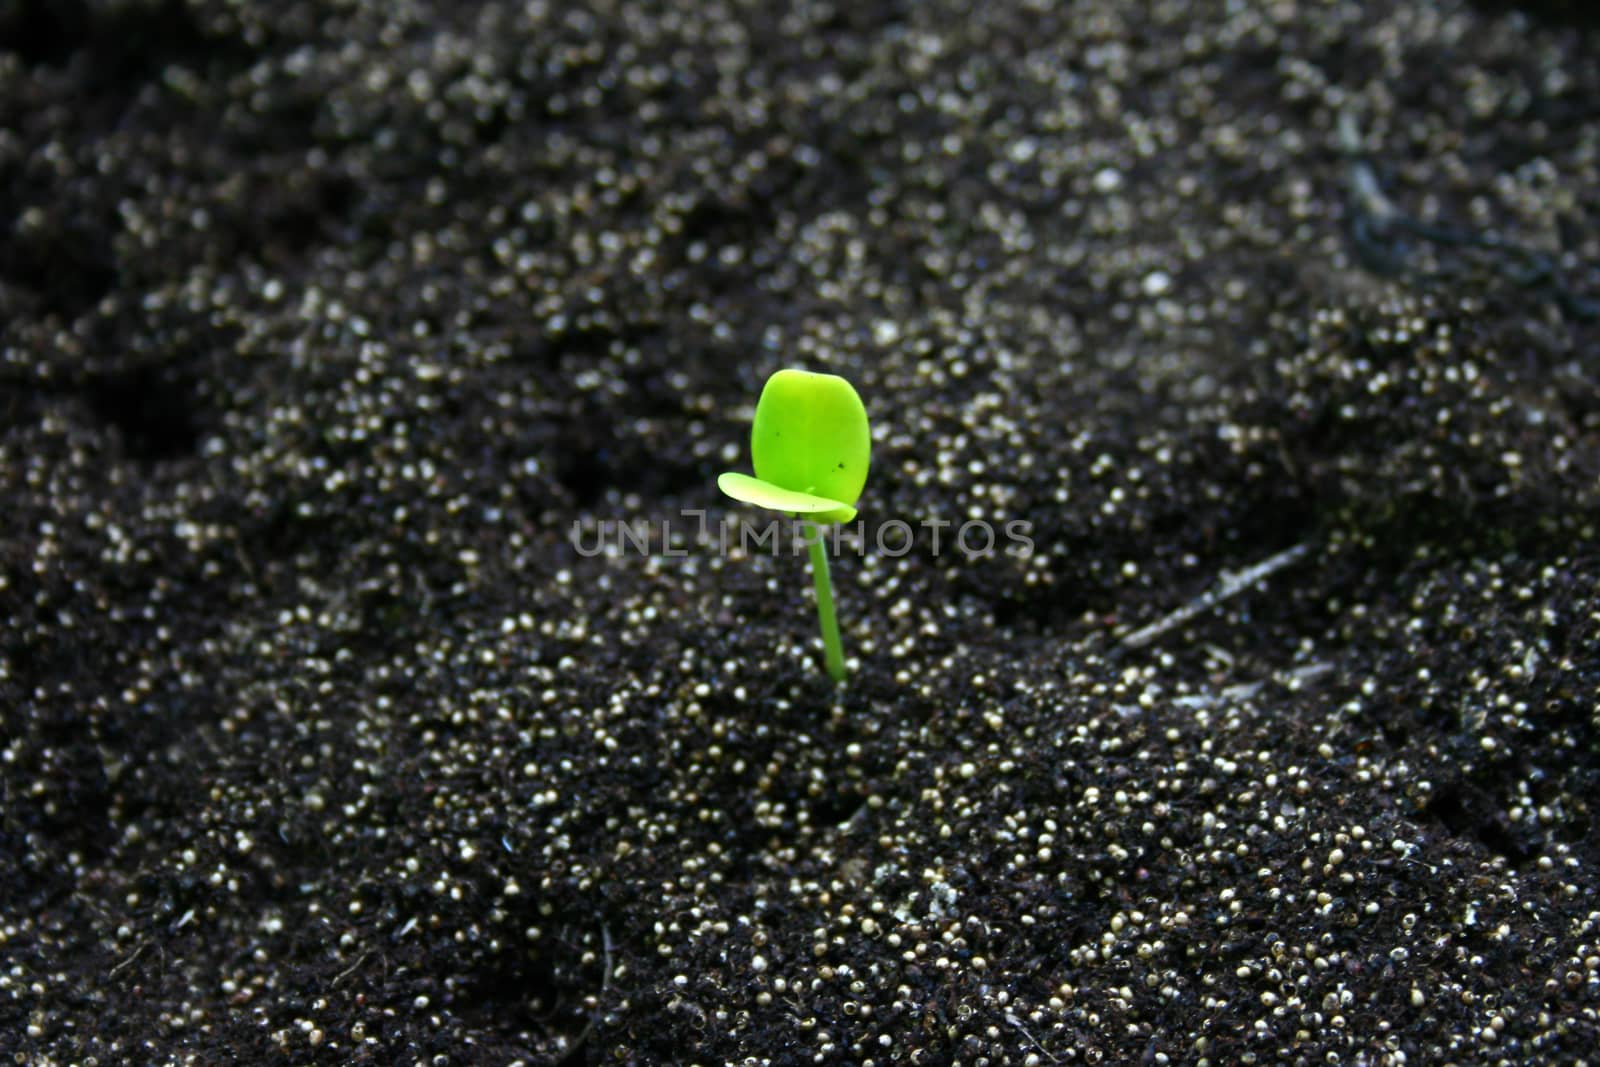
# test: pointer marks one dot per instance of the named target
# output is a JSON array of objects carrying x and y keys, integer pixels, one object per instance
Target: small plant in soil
[{"x": 811, "y": 447}]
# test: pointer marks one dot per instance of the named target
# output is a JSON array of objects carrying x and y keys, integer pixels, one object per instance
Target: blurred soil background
[{"x": 331, "y": 332}]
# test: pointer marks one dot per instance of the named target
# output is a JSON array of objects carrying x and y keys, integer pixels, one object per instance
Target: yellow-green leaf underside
[{"x": 762, "y": 494}]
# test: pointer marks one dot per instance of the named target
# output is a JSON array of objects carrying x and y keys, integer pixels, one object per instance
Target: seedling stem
[{"x": 832, "y": 647}]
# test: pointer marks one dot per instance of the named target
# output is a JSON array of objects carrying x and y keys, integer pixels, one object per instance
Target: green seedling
[{"x": 811, "y": 447}]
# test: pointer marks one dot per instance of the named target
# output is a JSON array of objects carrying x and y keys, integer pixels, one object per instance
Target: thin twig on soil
[{"x": 1227, "y": 586}]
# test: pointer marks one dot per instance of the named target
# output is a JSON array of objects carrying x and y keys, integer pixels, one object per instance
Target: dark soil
[{"x": 331, "y": 334}]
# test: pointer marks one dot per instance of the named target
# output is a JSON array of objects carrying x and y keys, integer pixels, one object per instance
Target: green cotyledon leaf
[
  {"x": 762, "y": 494},
  {"x": 811, "y": 437}
]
